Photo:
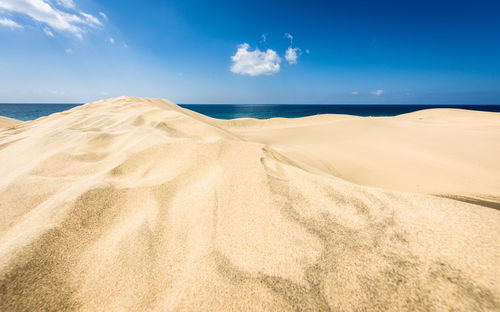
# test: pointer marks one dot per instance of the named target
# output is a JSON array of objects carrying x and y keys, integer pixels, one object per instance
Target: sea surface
[{"x": 262, "y": 111}]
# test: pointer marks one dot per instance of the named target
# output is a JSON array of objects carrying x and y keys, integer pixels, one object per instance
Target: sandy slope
[
  {"x": 6, "y": 122},
  {"x": 138, "y": 204},
  {"x": 436, "y": 151}
]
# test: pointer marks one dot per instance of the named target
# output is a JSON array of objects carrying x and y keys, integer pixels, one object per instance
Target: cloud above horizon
[
  {"x": 377, "y": 92},
  {"x": 104, "y": 16},
  {"x": 43, "y": 11},
  {"x": 48, "y": 32},
  {"x": 256, "y": 62},
  {"x": 9, "y": 23},
  {"x": 67, "y": 3},
  {"x": 291, "y": 55}
]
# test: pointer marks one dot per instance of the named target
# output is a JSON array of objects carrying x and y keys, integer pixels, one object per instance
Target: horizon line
[{"x": 344, "y": 104}]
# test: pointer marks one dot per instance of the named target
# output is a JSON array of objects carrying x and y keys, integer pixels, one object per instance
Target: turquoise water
[{"x": 227, "y": 111}]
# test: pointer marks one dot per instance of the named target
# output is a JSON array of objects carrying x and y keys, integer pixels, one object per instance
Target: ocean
[{"x": 261, "y": 111}]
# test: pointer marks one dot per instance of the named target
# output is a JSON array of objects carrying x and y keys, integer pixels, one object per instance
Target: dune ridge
[
  {"x": 6, "y": 122},
  {"x": 138, "y": 204}
]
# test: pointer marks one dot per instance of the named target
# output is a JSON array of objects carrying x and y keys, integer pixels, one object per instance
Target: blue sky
[{"x": 387, "y": 52}]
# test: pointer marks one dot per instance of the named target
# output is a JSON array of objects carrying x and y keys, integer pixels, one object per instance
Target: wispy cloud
[
  {"x": 104, "y": 16},
  {"x": 9, "y": 23},
  {"x": 91, "y": 20},
  {"x": 290, "y": 37},
  {"x": 377, "y": 92},
  {"x": 67, "y": 3},
  {"x": 111, "y": 40},
  {"x": 255, "y": 63},
  {"x": 263, "y": 37},
  {"x": 43, "y": 11},
  {"x": 69, "y": 51},
  {"x": 48, "y": 32},
  {"x": 354, "y": 92}
]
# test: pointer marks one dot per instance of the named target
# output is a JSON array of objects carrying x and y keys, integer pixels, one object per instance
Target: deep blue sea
[{"x": 227, "y": 111}]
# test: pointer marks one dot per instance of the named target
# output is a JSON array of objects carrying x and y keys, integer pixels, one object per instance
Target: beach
[{"x": 138, "y": 204}]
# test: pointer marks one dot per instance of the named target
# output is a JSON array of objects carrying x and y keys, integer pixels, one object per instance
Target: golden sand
[
  {"x": 138, "y": 204},
  {"x": 6, "y": 122}
]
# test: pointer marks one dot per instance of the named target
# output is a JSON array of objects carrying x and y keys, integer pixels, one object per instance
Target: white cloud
[
  {"x": 48, "y": 32},
  {"x": 68, "y": 50},
  {"x": 354, "y": 92},
  {"x": 104, "y": 16},
  {"x": 42, "y": 12},
  {"x": 255, "y": 63},
  {"x": 307, "y": 51},
  {"x": 111, "y": 40},
  {"x": 91, "y": 20},
  {"x": 377, "y": 92},
  {"x": 291, "y": 55},
  {"x": 66, "y": 3},
  {"x": 263, "y": 37},
  {"x": 9, "y": 23}
]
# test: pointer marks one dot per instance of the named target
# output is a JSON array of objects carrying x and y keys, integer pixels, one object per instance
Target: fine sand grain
[
  {"x": 138, "y": 204},
  {"x": 6, "y": 122}
]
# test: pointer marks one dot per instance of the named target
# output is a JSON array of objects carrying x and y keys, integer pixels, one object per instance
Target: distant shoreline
[{"x": 31, "y": 111}]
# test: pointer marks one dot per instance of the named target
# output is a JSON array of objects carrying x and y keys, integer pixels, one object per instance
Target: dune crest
[
  {"x": 6, "y": 122},
  {"x": 139, "y": 204}
]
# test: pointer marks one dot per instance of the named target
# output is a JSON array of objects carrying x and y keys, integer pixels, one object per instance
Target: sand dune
[
  {"x": 6, "y": 122},
  {"x": 435, "y": 151},
  {"x": 138, "y": 204}
]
